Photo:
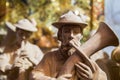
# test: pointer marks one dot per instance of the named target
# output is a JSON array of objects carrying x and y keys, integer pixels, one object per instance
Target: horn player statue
[
  {"x": 102, "y": 38},
  {"x": 73, "y": 58}
]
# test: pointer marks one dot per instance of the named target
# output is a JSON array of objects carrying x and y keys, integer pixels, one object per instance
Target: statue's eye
[{"x": 67, "y": 31}]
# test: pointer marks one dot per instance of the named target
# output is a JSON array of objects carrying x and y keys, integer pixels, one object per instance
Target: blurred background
[{"x": 46, "y": 12}]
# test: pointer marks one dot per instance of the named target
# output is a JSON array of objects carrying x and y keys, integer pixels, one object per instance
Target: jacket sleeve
[{"x": 38, "y": 56}]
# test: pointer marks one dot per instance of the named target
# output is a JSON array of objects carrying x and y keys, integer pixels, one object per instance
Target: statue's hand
[
  {"x": 23, "y": 63},
  {"x": 83, "y": 71},
  {"x": 75, "y": 43}
]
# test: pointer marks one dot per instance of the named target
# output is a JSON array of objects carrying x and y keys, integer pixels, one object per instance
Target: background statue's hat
[
  {"x": 28, "y": 25},
  {"x": 10, "y": 26},
  {"x": 70, "y": 19}
]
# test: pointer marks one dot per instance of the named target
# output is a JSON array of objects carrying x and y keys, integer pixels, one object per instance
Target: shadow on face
[
  {"x": 23, "y": 34},
  {"x": 66, "y": 34}
]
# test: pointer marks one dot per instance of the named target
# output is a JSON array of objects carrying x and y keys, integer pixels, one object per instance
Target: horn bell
[{"x": 102, "y": 38}]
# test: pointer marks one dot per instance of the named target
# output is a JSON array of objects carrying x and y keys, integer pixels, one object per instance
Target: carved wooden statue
[
  {"x": 65, "y": 63},
  {"x": 22, "y": 54},
  {"x": 103, "y": 37}
]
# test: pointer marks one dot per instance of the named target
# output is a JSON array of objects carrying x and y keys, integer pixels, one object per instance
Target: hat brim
[
  {"x": 59, "y": 24},
  {"x": 26, "y": 29}
]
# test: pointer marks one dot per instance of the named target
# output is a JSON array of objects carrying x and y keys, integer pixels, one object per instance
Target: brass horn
[{"x": 102, "y": 38}]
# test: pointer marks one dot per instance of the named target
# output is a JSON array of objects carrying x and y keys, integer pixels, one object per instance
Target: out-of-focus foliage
[
  {"x": 2, "y": 9},
  {"x": 98, "y": 12},
  {"x": 45, "y": 12}
]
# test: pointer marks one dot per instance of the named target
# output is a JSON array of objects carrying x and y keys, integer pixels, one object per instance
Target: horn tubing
[{"x": 103, "y": 37}]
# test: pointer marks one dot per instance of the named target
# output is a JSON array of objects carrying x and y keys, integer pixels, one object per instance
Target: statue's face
[
  {"x": 68, "y": 33},
  {"x": 22, "y": 35},
  {"x": 76, "y": 33}
]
